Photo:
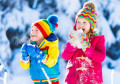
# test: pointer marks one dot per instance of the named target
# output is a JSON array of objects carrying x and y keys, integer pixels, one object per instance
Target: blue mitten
[
  {"x": 34, "y": 51},
  {"x": 24, "y": 53}
]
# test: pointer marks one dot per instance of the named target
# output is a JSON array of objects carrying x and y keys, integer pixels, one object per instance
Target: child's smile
[{"x": 32, "y": 36}]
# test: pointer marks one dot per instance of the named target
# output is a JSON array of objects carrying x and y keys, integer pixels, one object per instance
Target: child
[
  {"x": 42, "y": 55},
  {"x": 85, "y": 49}
]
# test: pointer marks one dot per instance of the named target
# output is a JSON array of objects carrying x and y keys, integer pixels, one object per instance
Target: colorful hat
[
  {"x": 88, "y": 13},
  {"x": 47, "y": 26}
]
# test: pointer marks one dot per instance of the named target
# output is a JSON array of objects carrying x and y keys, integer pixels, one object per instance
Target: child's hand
[
  {"x": 23, "y": 51},
  {"x": 35, "y": 52},
  {"x": 72, "y": 38},
  {"x": 78, "y": 34},
  {"x": 32, "y": 50},
  {"x": 84, "y": 40}
]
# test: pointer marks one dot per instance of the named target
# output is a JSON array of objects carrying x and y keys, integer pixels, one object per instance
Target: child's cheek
[{"x": 30, "y": 34}]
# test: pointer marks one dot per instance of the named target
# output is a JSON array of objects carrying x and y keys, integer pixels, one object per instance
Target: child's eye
[
  {"x": 36, "y": 30},
  {"x": 84, "y": 22},
  {"x": 78, "y": 22}
]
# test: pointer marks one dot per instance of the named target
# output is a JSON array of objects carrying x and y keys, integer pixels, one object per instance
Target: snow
[
  {"x": 114, "y": 9},
  {"x": 64, "y": 21},
  {"x": 114, "y": 63},
  {"x": 71, "y": 6},
  {"x": 62, "y": 67},
  {"x": 105, "y": 30},
  {"x": 20, "y": 80},
  {"x": 27, "y": 16},
  {"x": 110, "y": 76},
  {"x": 118, "y": 35},
  {"x": 5, "y": 52}
]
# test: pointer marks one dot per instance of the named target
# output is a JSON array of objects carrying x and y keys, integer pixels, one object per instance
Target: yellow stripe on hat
[
  {"x": 46, "y": 27},
  {"x": 46, "y": 24}
]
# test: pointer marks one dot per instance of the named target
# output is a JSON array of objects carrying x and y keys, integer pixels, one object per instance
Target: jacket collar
[{"x": 51, "y": 38}]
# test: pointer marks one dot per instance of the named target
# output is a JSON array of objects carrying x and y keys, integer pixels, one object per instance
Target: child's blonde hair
[{"x": 92, "y": 33}]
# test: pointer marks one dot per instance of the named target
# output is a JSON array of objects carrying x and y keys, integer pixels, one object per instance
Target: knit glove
[
  {"x": 25, "y": 57},
  {"x": 84, "y": 40},
  {"x": 74, "y": 38},
  {"x": 79, "y": 39}
]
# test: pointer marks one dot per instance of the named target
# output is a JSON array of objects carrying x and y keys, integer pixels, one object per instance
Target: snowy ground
[{"x": 109, "y": 77}]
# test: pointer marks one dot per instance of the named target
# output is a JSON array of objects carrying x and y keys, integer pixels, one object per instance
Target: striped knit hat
[
  {"x": 88, "y": 13},
  {"x": 47, "y": 26}
]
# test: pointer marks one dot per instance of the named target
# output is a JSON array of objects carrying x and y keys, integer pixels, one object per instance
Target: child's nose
[
  {"x": 81, "y": 25},
  {"x": 79, "y": 28},
  {"x": 32, "y": 32}
]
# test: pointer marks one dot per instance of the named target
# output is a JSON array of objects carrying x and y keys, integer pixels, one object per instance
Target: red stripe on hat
[{"x": 41, "y": 29}]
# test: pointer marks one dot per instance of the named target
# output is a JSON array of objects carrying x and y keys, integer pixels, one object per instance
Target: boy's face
[
  {"x": 35, "y": 34},
  {"x": 83, "y": 24}
]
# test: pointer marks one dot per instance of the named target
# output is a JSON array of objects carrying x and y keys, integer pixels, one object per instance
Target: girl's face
[
  {"x": 83, "y": 24},
  {"x": 35, "y": 34}
]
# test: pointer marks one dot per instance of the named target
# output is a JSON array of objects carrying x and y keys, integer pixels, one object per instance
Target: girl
[
  {"x": 42, "y": 56},
  {"x": 85, "y": 49}
]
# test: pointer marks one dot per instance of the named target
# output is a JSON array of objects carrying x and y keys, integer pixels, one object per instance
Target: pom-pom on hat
[
  {"x": 88, "y": 13},
  {"x": 47, "y": 26}
]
